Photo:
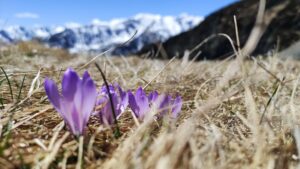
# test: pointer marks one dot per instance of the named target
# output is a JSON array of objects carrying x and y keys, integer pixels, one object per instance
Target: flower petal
[
  {"x": 177, "y": 104},
  {"x": 124, "y": 102},
  {"x": 104, "y": 89},
  {"x": 85, "y": 76},
  {"x": 142, "y": 102},
  {"x": 133, "y": 104},
  {"x": 106, "y": 114},
  {"x": 153, "y": 96},
  {"x": 69, "y": 84},
  {"x": 164, "y": 104},
  {"x": 101, "y": 99},
  {"x": 52, "y": 93},
  {"x": 122, "y": 99},
  {"x": 89, "y": 96},
  {"x": 76, "y": 121},
  {"x": 67, "y": 110}
]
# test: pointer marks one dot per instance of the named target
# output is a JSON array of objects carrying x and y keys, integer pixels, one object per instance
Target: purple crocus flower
[
  {"x": 141, "y": 104},
  {"x": 104, "y": 109},
  {"x": 176, "y": 106},
  {"x": 77, "y": 101}
]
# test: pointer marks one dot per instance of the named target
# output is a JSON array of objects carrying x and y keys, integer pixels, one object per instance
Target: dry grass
[{"x": 219, "y": 126}]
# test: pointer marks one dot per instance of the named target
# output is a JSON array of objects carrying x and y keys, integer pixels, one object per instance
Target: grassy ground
[{"x": 234, "y": 115}]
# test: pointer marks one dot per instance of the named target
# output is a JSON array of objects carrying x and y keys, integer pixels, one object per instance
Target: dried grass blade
[{"x": 35, "y": 84}]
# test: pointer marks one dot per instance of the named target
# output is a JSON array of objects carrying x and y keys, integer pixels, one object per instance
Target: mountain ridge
[
  {"x": 280, "y": 33},
  {"x": 100, "y": 35}
]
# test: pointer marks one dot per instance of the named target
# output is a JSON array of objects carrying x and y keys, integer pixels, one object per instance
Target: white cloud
[
  {"x": 27, "y": 15},
  {"x": 72, "y": 25},
  {"x": 96, "y": 21},
  {"x": 112, "y": 22}
]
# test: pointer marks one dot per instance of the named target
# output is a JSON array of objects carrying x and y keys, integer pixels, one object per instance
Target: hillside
[
  {"x": 281, "y": 32},
  {"x": 235, "y": 115}
]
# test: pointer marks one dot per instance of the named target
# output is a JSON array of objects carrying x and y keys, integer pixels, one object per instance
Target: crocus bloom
[
  {"x": 104, "y": 109},
  {"x": 77, "y": 101},
  {"x": 141, "y": 104}
]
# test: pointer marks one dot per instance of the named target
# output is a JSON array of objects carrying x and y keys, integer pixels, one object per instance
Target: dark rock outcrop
[
  {"x": 65, "y": 39},
  {"x": 282, "y": 32}
]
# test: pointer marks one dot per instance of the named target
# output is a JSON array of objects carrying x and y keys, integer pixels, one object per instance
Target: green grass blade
[
  {"x": 9, "y": 84},
  {"x": 21, "y": 87},
  {"x": 269, "y": 101},
  {"x": 1, "y": 99},
  {"x": 1, "y": 81},
  {"x": 1, "y": 103}
]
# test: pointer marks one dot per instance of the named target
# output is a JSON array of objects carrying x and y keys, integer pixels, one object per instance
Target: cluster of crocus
[
  {"x": 79, "y": 99},
  {"x": 159, "y": 105}
]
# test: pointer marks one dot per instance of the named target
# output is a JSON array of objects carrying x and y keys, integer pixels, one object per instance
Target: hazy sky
[{"x": 59, "y": 12}]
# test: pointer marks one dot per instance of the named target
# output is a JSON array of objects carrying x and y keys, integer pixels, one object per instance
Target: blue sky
[{"x": 59, "y": 12}]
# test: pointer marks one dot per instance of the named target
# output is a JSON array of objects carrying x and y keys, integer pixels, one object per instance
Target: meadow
[{"x": 235, "y": 114}]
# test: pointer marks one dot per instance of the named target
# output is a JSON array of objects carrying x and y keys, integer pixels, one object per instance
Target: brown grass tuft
[{"x": 219, "y": 126}]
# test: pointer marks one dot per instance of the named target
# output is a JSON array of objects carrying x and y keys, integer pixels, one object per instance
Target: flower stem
[{"x": 117, "y": 132}]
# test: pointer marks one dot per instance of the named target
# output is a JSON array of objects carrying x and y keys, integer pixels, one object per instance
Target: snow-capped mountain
[{"x": 102, "y": 35}]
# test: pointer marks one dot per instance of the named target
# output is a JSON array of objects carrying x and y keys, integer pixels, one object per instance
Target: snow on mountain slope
[{"x": 102, "y": 35}]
